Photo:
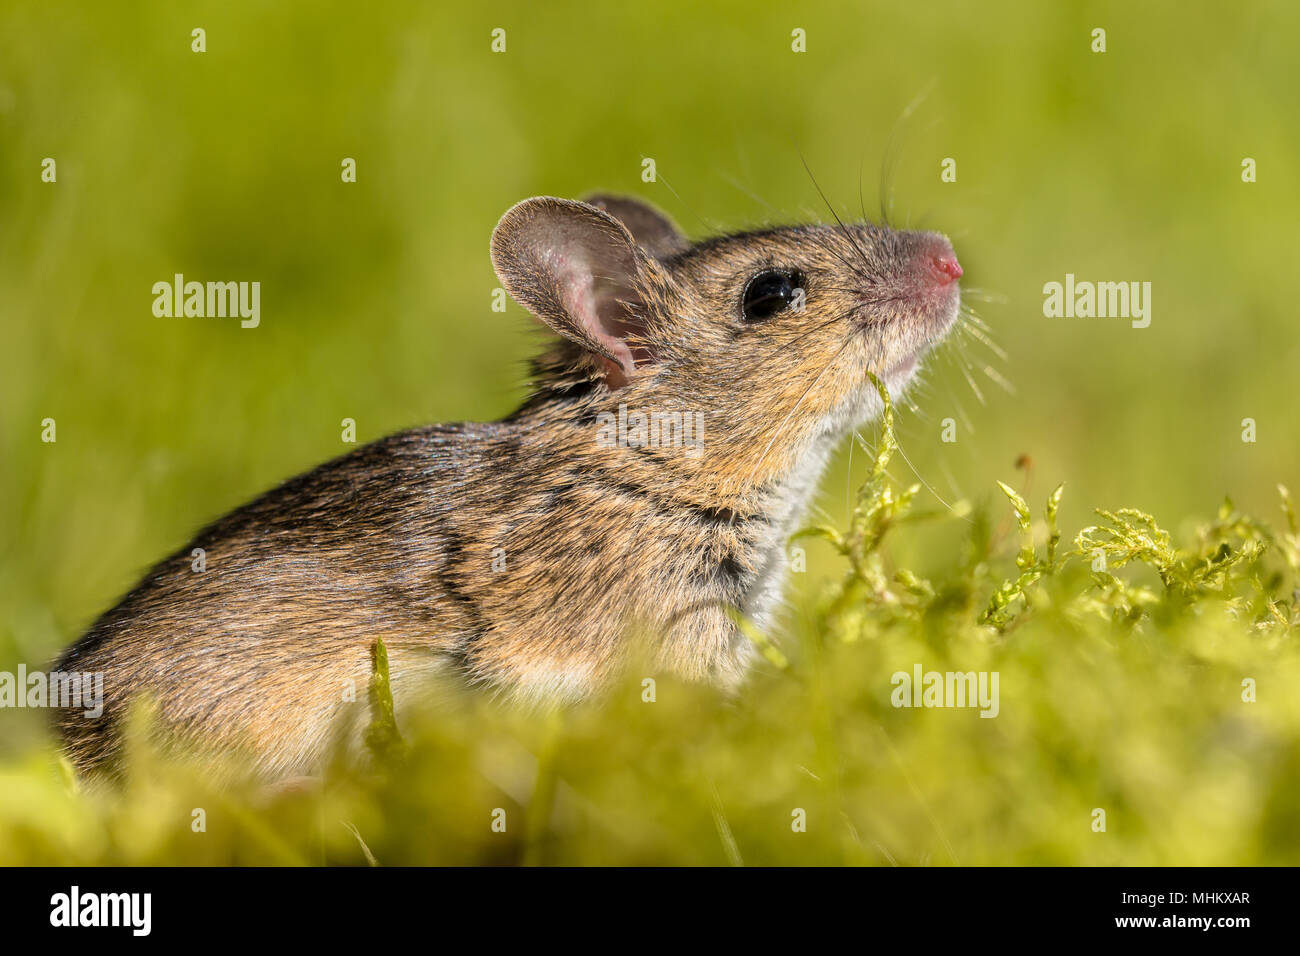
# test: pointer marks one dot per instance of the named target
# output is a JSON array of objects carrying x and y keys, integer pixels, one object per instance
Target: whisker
[
  {"x": 999, "y": 379},
  {"x": 848, "y": 476},
  {"x": 839, "y": 222},
  {"x": 892, "y": 155},
  {"x": 709, "y": 227},
  {"x": 927, "y": 485},
  {"x": 981, "y": 336},
  {"x": 735, "y": 184},
  {"x": 826, "y": 245},
  {"x": 862, "y": 202},
  {"x": 962, "y": 414},
  {"x": 973, "y": 387},
  {"x": 804, "y": 333},
  {"x": 982, "y": 295}
]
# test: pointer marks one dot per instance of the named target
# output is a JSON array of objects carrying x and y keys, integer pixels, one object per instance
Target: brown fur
[{"x": 397, "y": 539}]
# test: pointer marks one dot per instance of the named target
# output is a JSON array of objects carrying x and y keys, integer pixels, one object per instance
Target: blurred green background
[{"x": 376, "y": 295}]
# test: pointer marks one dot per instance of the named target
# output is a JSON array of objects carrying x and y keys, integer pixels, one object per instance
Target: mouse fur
[{"x": 525, "y": 554}]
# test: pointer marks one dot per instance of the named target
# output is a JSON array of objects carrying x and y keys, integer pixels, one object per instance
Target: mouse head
[{"x": 768, "y": 333}]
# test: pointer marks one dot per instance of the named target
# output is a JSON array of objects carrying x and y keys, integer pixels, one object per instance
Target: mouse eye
[{"x": 769, "y": 293}]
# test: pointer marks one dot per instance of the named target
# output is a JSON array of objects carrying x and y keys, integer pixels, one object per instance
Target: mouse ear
[
  {"x": 652, "y": 229},
  {"x": 576, "y": 268}
]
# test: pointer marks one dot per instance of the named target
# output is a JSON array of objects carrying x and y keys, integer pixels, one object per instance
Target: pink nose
[{"x": 946, "y": 268}]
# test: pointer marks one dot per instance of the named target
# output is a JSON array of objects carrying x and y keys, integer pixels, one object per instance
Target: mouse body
[{"x": 675, "y": 434}]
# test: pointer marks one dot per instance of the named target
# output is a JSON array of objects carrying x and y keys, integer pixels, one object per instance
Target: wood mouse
[{"x": 675, "y": 433}]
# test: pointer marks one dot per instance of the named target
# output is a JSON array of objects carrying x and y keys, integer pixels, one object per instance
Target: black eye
[{"x": 770, "y": 293}]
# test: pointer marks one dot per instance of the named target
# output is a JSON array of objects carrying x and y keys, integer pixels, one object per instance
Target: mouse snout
[
  {"x": 946, "y": 268},
  {"x": 939, "y": 262}
]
